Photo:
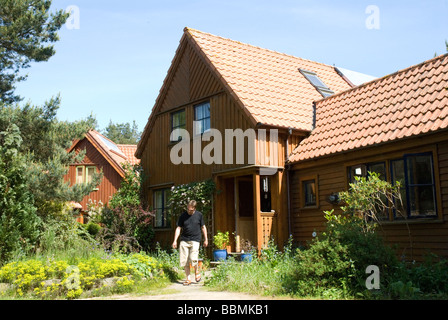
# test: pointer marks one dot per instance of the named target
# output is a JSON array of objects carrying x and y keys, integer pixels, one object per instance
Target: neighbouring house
[
  {"x": 101, "y": 154},
  {"x": 395, "y": 126},
  {"x": 281, "y": 135},
  {"x": 215, "y": 87}
]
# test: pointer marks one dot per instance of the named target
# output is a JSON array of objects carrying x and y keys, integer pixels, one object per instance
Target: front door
[{"x": 245, "y": 208}]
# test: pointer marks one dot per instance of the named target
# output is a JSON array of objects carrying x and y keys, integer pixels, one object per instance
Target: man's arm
[
  {"x": 176, "y": 236},
  {"x": 204, "y": 231}
]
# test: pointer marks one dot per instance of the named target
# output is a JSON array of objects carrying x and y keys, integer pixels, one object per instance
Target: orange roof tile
[
  {"x": 129, "y": 152},
  {"x": 267, "y": 83},
  {"x": 407, "y": 103}
]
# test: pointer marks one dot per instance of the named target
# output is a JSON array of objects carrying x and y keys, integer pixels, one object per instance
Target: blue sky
[{"x": 114, "y": 64}]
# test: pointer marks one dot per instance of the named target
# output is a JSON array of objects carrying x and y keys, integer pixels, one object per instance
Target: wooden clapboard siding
[
  {"x": 111, "y": 179},
  {"x": 427, "y": 235}
]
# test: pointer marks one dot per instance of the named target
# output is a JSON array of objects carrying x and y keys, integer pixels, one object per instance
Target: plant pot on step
[
  {"x": 220, "y": 254},
  {"x": 246, "y": 257},
  {"x": 220, "y": 240}
]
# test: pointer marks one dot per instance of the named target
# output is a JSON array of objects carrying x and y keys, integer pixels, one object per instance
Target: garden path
[{"x": 195, "y": 291}]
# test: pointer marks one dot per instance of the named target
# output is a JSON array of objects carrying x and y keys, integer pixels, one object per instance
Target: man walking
[{"x": 189, "y": 227}]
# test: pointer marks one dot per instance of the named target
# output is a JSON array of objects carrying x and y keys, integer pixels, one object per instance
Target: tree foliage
[
  {"x": 27, "y": 31},
  {"x": 122, "y": 133},
  {"x": 202, "y": 192},
  {"x": 44, "y": 143},
  {"x": 34, "y": 160},
  {"x": 19, "y": 223}
]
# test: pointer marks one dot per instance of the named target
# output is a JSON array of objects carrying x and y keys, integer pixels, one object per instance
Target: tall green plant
[
  {"x": 19, "y": 223},
  {"x": 127, "y": 225},
  {"x": 370, "y": 198},
  {"x": 338, "y": 257}
]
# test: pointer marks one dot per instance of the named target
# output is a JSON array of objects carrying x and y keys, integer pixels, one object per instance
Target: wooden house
[
  {"x": 395, "y": 126},
  {"x": 213, "y": 88},
  {"x": 101, "y": 154}
]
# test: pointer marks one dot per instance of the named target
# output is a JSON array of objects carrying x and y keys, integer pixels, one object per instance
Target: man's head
[{"x": 191, "y": 207}]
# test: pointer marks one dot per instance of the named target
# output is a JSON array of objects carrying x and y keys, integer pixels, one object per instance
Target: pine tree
[{"x": 27, "y": 31}]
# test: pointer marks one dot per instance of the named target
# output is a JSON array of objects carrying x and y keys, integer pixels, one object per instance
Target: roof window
[{"x": 317, "y": 83}]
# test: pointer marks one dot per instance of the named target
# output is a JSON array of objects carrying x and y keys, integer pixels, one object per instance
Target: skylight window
[
  {"x": 317, "y": 83},
  {"x": 111, "y": 145}
]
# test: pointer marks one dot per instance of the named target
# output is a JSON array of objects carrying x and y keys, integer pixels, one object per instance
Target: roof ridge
[
  {"x": 393, "y": 74},
  {"x": 187, "y": 29}
]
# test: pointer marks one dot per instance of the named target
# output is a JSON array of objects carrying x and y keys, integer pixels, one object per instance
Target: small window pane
[
  {"x": 422, "y": 201},
  {"x": 265, "y": 194},
  {"x": 177, "y": 122},
  {"x": 79, "y": 174},
  {"x": 206, "y": 125},
  {"x": 309, "y": 188},
  {"x": 198, "y": 113},
  {"x": 89, "y": 174},
  {"x": 379, "y": 168},
  {"x": 419, "y": 170},
  {"x": 202, "y": 117},
  {"x": 161, "y": 208}
]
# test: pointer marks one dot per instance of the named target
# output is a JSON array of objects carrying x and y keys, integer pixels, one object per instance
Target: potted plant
[
  {"x": 246, "y": 250},
  {"x": 220, "y": 240}
]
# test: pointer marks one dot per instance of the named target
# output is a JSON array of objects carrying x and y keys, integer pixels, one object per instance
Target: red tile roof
[
  {"x": 129, "y": 151},
  {"x": 408, "y": 103},
  {"x": 267, "y": 83}
]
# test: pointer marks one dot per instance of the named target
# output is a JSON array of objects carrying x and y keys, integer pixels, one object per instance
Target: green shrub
[
  {"x": 93, "y": 228},
  {"x": 338, "y": 258},
  {"x": 52, "y": 279}
]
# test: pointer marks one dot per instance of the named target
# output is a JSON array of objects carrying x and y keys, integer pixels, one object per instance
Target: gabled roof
[
  {"x": 117, "y": 155},
  {"x": 266, "y": 84},
  {"x": 410, "y": 102}
]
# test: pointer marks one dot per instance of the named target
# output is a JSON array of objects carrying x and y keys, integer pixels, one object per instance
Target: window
[
  {"x": 177, "y": 122},
  {"x": 84, "y": 174},
  {"x": 202, "y": 117},
  {"x": 317, "y": 83},
  {"x": 161, "y": 208},
  {"x": 309, "y": 190},
  {"x": 90, "y": 171},
  {"x": 416, "y": 175},
  {"x": 362, "y": 170},
  {"x": 265, "y": 194},
  {"x": 79, "y": 175},
  {"x": 415, "y": 172}
]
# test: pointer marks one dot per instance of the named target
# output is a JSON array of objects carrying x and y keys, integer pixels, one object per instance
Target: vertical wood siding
[{"x": 111, "y": 179}]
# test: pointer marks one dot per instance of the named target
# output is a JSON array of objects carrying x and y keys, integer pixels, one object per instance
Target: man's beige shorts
[{"x": 188, "y": 253}]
